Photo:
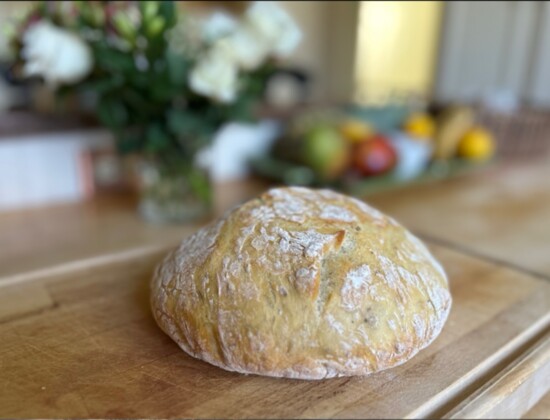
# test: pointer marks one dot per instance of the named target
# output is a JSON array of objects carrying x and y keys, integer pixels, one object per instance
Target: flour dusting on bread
[{"x": 302, "y": 283}]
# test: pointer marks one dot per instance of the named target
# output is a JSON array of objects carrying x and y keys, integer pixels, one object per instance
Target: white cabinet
[
  {"x": 538, "y": 85},
  {"x": 495, "y": 47}
]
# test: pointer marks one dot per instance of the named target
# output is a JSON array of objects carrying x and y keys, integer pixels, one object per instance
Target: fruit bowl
[
  {"x": 365, "y": 150},
  {"x": 281, "y": 171}
]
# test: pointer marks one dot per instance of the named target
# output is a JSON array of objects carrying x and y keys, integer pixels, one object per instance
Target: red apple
[{"x": 375, "y": 156}]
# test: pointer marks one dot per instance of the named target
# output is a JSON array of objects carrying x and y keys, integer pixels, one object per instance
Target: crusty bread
[{"x": 301, "y": 283}]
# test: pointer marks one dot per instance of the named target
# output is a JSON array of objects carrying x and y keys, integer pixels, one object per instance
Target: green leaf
[
  {"x": 113, "y": 60},
  {"x": 200, "y": 184},
  {"x": 142, "y": 110},
  {"x": 104, "y": 85},
  {"x": 181, "y": 122},
  {"x": 140, "y": 80},
  {"x": 242, "y": 109},
  {"x": 129, "y": 141},
  {"x": 124, "y": 26},
  {"x": 163, "y": 92},
  {"x": 155, "y": 26},
  {"x": 149, "y": 9},
  {"x": 157, "y": 139},
  {"x": 112, "y": 113},
  {"x": 177, "y": 68},
  {"x": 90, "y": 14},
  {"x": 168, "y": 11}
]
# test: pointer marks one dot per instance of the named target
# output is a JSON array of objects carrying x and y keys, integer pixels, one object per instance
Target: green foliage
[
  {"x": 141, "y": 84},
  {"x": 200, "y": 184},
  {"x": 158, "y": 139},
  {"x": 112, "y": 113},
  {"x": 177, "y": 67}
]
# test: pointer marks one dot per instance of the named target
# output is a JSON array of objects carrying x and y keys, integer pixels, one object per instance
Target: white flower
[
  {"x": 218, "y": 25},
  {"x": 246, "y": 48},
  {"x": 215, "y": 75},
  {"x": 57, "y": 55},
  {"x": 275, "y": 26}
]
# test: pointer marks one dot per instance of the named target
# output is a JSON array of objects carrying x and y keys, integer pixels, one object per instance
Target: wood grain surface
[
  {"x": 514, "y": 390},
  {"x": 77, "y": 339},
  {"x": 44, "y": 239},
  {"x": 502, "y": 213},
  {"x": 97, "y": 352},
  {"x": 541, "y": 410}
]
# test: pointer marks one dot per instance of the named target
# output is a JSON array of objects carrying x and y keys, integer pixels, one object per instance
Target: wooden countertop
[
  {"x": 502, "y": 213},
  {"x": 540, "y": 410},
  {"x": 37, "y": 241},
  {"x": 78, "y": 340}
]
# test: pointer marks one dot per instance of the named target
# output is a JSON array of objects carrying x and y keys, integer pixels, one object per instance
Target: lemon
[
  {"x": 356, "y": 131},
  {"x": 420, "y": 126},
  {"x": 477, "y": 144}
]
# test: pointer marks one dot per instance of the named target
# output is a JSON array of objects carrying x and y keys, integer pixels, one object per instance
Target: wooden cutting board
[{"x": 84, "y": 344}]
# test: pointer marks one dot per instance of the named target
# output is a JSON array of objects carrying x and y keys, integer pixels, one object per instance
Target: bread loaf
[{"x": 301, "y": 283}]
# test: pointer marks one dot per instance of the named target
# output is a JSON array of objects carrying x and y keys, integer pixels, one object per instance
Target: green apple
[{"x": 326, "y": 151}]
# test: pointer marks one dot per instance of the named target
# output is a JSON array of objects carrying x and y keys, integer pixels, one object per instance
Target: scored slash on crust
[{"x": 304, "y": 284}]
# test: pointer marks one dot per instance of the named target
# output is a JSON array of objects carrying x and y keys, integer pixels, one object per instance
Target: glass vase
[{"x": 173, "y": 191}]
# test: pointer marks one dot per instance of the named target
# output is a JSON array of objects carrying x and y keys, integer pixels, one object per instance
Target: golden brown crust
[{"x": 304, "y": 284}]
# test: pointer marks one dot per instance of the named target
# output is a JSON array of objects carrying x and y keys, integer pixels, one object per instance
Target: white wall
[
  {"x": 493, "y": 48},
  {"x": 310, "y": 54},
  {"x": 328, "y": 47},
  {"x": 537, "y": 88},
  {"x": 341, "y": 29}
]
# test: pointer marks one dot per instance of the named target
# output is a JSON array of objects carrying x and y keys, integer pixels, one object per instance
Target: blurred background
[
  {"x": 125, "y": 125},
  {"x": 371, "y": 96}
]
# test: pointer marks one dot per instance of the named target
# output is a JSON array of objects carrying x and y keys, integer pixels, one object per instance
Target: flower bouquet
[{"x": 163, "y": 83}]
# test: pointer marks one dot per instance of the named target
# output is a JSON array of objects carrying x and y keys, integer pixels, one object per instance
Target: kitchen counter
[
  {"x": 502, "y": 213},
  {"x": 78, "y": 339},
  {"x": 51, "y": 239}
]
